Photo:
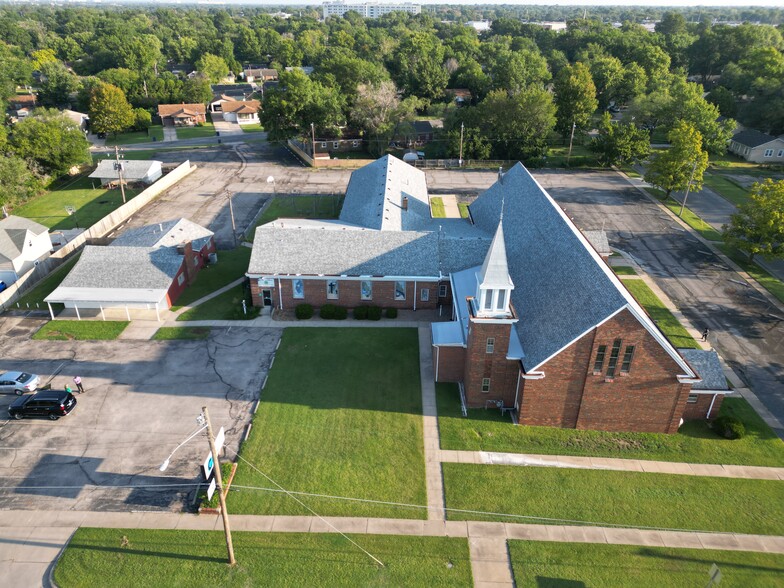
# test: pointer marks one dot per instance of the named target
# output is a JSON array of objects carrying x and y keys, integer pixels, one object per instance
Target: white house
[
  {"x": 23, "y": 243},
  {"x": 146, "y": 172},
  {"x": 243, "y": 112},
  {"x": 758, "y": 147}
]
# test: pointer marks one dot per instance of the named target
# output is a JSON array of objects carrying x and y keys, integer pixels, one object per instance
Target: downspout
[
  {"x": 280, "y": 294},
  {"x": 710, "y": 409},
  {"x": 517, "y": 392},
  {"x": 438, "y": 355},
  {"x": 415, "y": 294}
]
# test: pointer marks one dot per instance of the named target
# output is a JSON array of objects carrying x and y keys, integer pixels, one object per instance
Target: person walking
[
  {"x": 705, "y": 334},
  {"x": 78, "y": 381}
]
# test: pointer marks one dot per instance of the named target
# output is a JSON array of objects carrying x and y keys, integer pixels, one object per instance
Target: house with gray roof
[
  {"x": 145, "y": 172},
  {"x": 145, "y": 269},
  {"x": 23, "y": 243},
  {"x": 541, "y": 326},
  {"x": 757, "y": 147}
]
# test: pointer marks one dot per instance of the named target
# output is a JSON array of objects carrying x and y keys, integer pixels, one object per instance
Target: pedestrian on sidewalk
[
  {"x": 705, "y": 334},
  {"x": 78, "y": 381}
]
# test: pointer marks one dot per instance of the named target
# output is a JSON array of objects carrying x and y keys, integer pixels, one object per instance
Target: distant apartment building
[{"x": 368, "y": 9}]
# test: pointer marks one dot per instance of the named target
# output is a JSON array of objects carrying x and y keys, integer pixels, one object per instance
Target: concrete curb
[{"x": 50, "y": 570}]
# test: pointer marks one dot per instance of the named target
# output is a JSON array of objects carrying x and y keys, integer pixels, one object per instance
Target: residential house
[
  {"x": 541, "y": 326},
  {"x": 21, "y": 105},
  {"x": 243, "y": 112},
  {"x": 143, "y": 269},
  {"x": 425, "y": 130},
  {"x": 23, "y": 243},
  {"x": 79, "y": 118},
  {"x": 758, "y": 147},
  {"x": 142, "y": 171},
  {"x": 182, "y": 115},
  {"x": 461, "y": 96},
  {"x": 260, "y": 74}
]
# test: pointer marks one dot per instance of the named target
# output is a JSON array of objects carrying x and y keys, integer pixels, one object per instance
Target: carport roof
[{"x": 108, "y": 295}]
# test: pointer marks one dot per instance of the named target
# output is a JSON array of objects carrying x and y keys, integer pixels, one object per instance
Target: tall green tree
[
  {"x": 214, "y": 68},
  {"x": 57, "y": 84},
  {"x": 685, "y": 161},
  {"x": 17, "y": 182},
  {"x": 619, "y": 143},
  {"x": 575, "y": 98},
  {"x": 377, "y": 110},
  {"x": 418, "y": 66},
  {"x": 758, "y": 226},
  {"x": 109, "y": 110},
  {"x": 53, "y": 142},
  {"x": 196, "y": 90}
]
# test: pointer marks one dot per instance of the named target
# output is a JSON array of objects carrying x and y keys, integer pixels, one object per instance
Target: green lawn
[
  {"x": 91, "y": 203},
  {"x": 581, "y": 157},
  {"x": 630, "y": 171},
  {"x": 437, "y": 209},
  {"x": 231, "y": 265},
  {"x": 196, "y": 132},
  {"x": 624, "y": 270},
  {"x": 695, "y": 222},
  {"x": 155, "y": 134},
  {"x": 224, "y": 307},
  {"x": 341, "y": 414},
  {"x": 152, "y": 558},
  {"x": 663, "y": 318},
  {"x": 80, "y": 330},
  {"x": 695, "y": 442},
  {"x": 324, "y": 206},
  {"x": 610, "y": 497},
  {"x": 766, "y": 280},
  {"x": 726, "y": 188},
  {"x": 35, "y": 297},
  {"x": 252, "y": 128},
  {"x": 463, "y": 209},
  {"x": 188, "y": 333},
  {"x": 549, "y": 564}
]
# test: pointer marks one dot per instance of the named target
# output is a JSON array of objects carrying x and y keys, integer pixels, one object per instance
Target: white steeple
[{"x": 494, "y": 285}]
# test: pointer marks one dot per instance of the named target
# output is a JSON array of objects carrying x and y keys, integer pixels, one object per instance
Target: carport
[{"x": 83, "y": 300}]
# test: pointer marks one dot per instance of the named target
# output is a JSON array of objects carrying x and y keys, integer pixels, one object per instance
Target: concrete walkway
[
  {"x": 169, "y": 134},
  {"x": 451, "y": 210},
  {"x": 490, "y": 563},
  {"x": 433, "y": 476}
]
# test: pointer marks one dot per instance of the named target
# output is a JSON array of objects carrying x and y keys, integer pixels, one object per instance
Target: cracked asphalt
[{"x": 141, "y": 401}]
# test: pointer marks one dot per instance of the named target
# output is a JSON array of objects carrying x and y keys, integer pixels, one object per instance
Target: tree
[
  {"x": 619, "y": 143},
  {"x": 724, "y": 101},
  {"x": 684, "y": 162},
  {"x": 109, "y": 110},
  {"x": 50, "y": 140},
  {"x": 418, "y": 66},
  {"x": 607, "y": 74},
  {"x": 575, "y": 98},
  {"x": 377, "y": 110},
  {"x": 57, "y": 84},
  {"x": 758, "y": 226},
  {"x": 142, "y": 119},
  {"x": 17, "y": 182},
  {"x": 42, "y": 57},
  {"x": 515, "y": 70},
  {"x": 214, "y": 68},
  {"x": 196, "y": 90}
]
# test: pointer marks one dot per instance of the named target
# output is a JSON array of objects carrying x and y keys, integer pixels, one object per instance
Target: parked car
[
  {"x": 3, "y": 285},
  {"x": 18, "y": 382},
  {"x": 48, "y": 403}
]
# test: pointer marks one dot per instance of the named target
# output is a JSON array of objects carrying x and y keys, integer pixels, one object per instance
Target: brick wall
[
  {"x": 196, "y": 261},
  {"x": 479, "y": 365},
  {"x": 699, "y": 410},
  {"x": 449, "y": 363},
  {"x": 349, "y": 295}
]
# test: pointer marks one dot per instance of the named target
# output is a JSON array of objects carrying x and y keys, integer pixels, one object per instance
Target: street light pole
[
  {"x": 118, "y": 165},
  {"x": 231, "y": 212},
  {"x": 460, "y": 161},
  {"x": 688, "y": 186},
  {"x": 219, "y": 483},
  {"x": 569, "y": 157}
]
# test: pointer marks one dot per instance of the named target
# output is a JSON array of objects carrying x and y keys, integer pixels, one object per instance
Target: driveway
[
  {"x": 225, "y": 128},
  {"x": 141, "y": 401},
  {"x": 169, "y": 134}
]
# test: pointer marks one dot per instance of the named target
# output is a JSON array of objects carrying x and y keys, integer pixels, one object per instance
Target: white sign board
[
  {"x": 207, "y": 466},
  {"x": 211, "y": 489},
  {"x": 219, "y": 439}
]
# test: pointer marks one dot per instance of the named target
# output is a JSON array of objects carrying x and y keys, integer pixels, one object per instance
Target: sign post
[{"x": 221, "y": 495}]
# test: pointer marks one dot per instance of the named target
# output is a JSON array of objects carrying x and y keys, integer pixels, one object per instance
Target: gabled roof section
[
  {"x": 165, "y": 110},
  {"x": 563, "y": 287},
  {"x": 376, "y": 192},
  {"x": 14, "y": 231},
  {"x": 132, "y": 169},
  {"x": 242, "y": 106},
  {"x": 167, "y": 234},
  {"x": 752, "y": 138},
  {"x": 708, "y": 367},
  {"x": 494, "y": 274}
]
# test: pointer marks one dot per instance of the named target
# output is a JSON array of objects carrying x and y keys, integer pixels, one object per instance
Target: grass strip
[
  {"x": 437, "y": 209},
  {"x": 196, "y": 132},
  {"x": 186, "y": 333},
  {"x": 35, "y": 297},
  {"x": 695, "y": 442},
  {"x": 80, "y": 330},
  {"x": 231, "y": 266},
  {"x": 252, "y": 128},
  {"x": 726, "y": 188},
  {"x": 621, "y": 498},
  {"x": 624, "y": 270},
  {"x": 660, "y": 314},
  {"x": 151, "y": 558},
  {"x": 341, "y": 414},
  {"x": 463, "y": 207},
  {"x": 771, "y": 283},
  {"x": 155, "y": 133},
  {"x": 547, "y": 564},
  {"x": 224, "y": 307}
]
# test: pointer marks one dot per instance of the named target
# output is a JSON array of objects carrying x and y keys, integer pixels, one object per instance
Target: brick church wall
[
  {"x": 449, "y": 363},
  {"x": 479, "y": 364},
  {"x": 698, "y": 411}
]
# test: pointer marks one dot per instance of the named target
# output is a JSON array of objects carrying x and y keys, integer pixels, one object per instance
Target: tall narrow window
[
  {"x": 485, "y": 385},
  {"x": 442, "y": 291},
  {"x": 613, "y": 363},
  {"x": 298, "y": 289},
  {"x": 490, "y": 346},
  {"x": 366, "y": 290},
  {"x": 424, "y": 295},
  {"x": 628, "y": 354},
  {"x": 332, "y": 289},
  {"x": 598, "y": 365},
  {"x": 488, "y": 300},
  {"x": 400, "y": 291},
  {"x": 501, "y": 300}
]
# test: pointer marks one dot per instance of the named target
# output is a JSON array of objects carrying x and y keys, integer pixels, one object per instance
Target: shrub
[
  {"x": 391, "y": 313},
  {"x": 303, "y": 311},
  {"x": 341, "y": 313},
  {"x": 729, "y": 427},
  {"x": 327, "y": 311},
  {"x": 361, "y": 313},
  {"x": 374, "y": 313}
]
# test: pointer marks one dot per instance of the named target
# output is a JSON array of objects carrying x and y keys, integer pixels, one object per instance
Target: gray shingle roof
[
  {"x": 335, "y": 249},
  {"x": 708, "y": 367},
  {"x": 752, "y": 138},
  {"x": 124, "y": 267},
  {"x": 167, "y": 234},
  {"x": 132, "y": 169},
  {"x": 13, "y": 232}
]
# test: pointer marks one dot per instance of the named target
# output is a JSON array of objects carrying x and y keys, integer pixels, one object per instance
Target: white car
[{"x": 18, "y": 382}]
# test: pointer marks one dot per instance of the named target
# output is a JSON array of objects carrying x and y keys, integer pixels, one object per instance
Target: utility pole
[
  {"x": 118, "y": 165},
  {"x": 313, "y": 141},
  {"x": 688, "y": 186},
  {"x": 219, "y": 483},
  {"x": 571, "y": 139},
  {"x": 460, "y": 161},
  {"x": 231, "y": 212}
]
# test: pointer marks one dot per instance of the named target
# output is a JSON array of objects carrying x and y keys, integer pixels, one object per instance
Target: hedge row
[{"x": 332, "y": 312}]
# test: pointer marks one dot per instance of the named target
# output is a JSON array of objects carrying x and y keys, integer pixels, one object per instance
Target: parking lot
[{"x": 141, "y": 401}]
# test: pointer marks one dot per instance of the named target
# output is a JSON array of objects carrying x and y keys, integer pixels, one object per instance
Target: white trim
[
  {"x": 517, "y": 391},
  {"x": 280, "y": 293},
  {"x": 345, "y": 278},
  {"x": 438, "y": 356},
  {"x": 724, "y": 392},
  {"x": 710, "y": 408},
  {"x": 533, "y": 376}
]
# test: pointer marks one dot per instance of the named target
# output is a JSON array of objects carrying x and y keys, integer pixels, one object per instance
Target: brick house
[
  {"x": 144, "y": 269},
  {"x": 540, "y": 327},
  {"x": 182, "y": 115}
]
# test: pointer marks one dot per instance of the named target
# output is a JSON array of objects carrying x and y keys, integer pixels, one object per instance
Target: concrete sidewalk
[{"x": 433, "y": 477}]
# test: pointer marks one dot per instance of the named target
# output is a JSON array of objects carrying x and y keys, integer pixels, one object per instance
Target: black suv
[{"x": 49, "y": 403}]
